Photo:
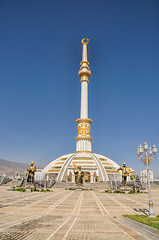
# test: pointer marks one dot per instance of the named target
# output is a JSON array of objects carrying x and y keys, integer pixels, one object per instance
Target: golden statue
[
  {"x": 125, "y": 172},
  {"x": 31, "y": 170},
  {"x": 79, "y": 175}
]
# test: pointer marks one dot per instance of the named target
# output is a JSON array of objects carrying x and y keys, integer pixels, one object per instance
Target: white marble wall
[{"x": 38, "y": 176}]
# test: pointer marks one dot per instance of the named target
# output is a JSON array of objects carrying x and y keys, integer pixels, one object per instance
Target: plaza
[
  {"x": 79, "y": 120},
  {"x": 65, "y": 214}
]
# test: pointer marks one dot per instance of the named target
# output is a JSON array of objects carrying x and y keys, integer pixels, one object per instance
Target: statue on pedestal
[
  {"x": 31, "y": 170},
  {"x": 125, "y": 172},
  {"x": 79, "y": 175}
]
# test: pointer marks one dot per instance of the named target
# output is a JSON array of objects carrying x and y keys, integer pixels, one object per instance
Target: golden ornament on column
[{"x": 84, "y": 129}]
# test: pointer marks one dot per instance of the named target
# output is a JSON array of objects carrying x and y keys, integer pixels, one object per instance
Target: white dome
[{"x": 91, "y": 164}]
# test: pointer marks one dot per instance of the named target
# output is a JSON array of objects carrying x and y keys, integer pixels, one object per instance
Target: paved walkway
[{"x": 71, "y": 215}]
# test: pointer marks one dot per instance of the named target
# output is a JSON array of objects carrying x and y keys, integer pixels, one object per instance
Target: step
[{"x": 102, "y": 185}]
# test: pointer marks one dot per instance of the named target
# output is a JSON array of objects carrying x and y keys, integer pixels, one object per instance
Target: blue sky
[{"x": 40, "y": 89}]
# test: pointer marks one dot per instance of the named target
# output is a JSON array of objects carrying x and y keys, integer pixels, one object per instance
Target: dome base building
[{"x": 96, "y": 167}]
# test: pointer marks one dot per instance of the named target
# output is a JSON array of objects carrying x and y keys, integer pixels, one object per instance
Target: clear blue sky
[{"x": 40, "y": 54}]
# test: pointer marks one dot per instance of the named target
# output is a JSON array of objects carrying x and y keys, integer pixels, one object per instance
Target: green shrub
[
  {"x": 11, "y": 189},
  {"x": 18, "y": 189},
  {"x": 131, "y": 191},
  {"x": 86, "y": 189},
  {"x": 107, "y": 191},
  {"x": 70, "y": 188},
  {"x": 119, "y": 191},
  {"x": 46, "y": 190}
]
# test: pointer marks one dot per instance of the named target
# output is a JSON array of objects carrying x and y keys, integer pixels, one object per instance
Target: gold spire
[
  {"x": 84, "y": 72},
  {"x": 84, "y": 42}
]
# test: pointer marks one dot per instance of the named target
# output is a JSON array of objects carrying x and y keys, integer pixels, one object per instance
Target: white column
[
  {"x": 73, "y": 177},
  {"x": 84, "y": 99},
  {"x": 91, "y": 177},
  {"x": 83, "y": 139}
]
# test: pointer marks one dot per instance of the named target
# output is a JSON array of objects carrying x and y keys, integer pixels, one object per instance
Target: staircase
[{"x": 98, "y": 185}]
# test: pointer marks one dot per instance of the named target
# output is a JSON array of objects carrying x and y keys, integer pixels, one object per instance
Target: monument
[
  {"x": 31, "y": 170},
  {"x": 95, "y": 167},
  {"x": 78, "y": 175},
  {"x": 125, "y": 173}
]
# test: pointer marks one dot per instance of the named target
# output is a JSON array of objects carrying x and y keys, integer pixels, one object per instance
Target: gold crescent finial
[{"x": 85, "y": 41}]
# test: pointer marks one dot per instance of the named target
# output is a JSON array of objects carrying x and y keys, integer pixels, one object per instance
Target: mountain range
[{"x": 9, "y": 167}]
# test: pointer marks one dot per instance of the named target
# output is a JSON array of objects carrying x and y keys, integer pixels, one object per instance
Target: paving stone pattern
[{"x": 71, "y": 215}]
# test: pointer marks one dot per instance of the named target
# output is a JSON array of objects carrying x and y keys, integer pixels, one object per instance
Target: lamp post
[{"x": 146, "y": 154}]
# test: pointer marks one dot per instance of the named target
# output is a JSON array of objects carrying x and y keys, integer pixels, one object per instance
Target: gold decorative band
[
  {"x": 84, "y": 62},
  {"x": 84, "y": 80},
  {"x": 84, "y": 137},
  {"x": 84, "y": 74},
  {"x": 150, "y": 203},
  {"x": 84, "y": 151},
  {"x": 87, "y": 120}
]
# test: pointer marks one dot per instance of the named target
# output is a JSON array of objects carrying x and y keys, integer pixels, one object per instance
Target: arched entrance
[{"x": 87, "y": 176}]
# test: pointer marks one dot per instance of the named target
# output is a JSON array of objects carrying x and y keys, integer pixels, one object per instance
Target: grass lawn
[{"x": 152, "y": 222}]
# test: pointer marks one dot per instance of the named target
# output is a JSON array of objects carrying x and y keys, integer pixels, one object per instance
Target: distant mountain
[{"x": 9, "y": 167}]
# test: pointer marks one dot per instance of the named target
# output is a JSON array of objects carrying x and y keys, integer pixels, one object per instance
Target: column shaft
[{"x": 84, "y": 99}]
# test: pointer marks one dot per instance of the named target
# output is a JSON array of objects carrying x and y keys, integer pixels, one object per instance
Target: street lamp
[{"x": 146, "y": 158}]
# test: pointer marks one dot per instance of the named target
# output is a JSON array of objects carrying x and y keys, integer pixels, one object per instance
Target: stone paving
[{"x": 71, "y": 215}]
